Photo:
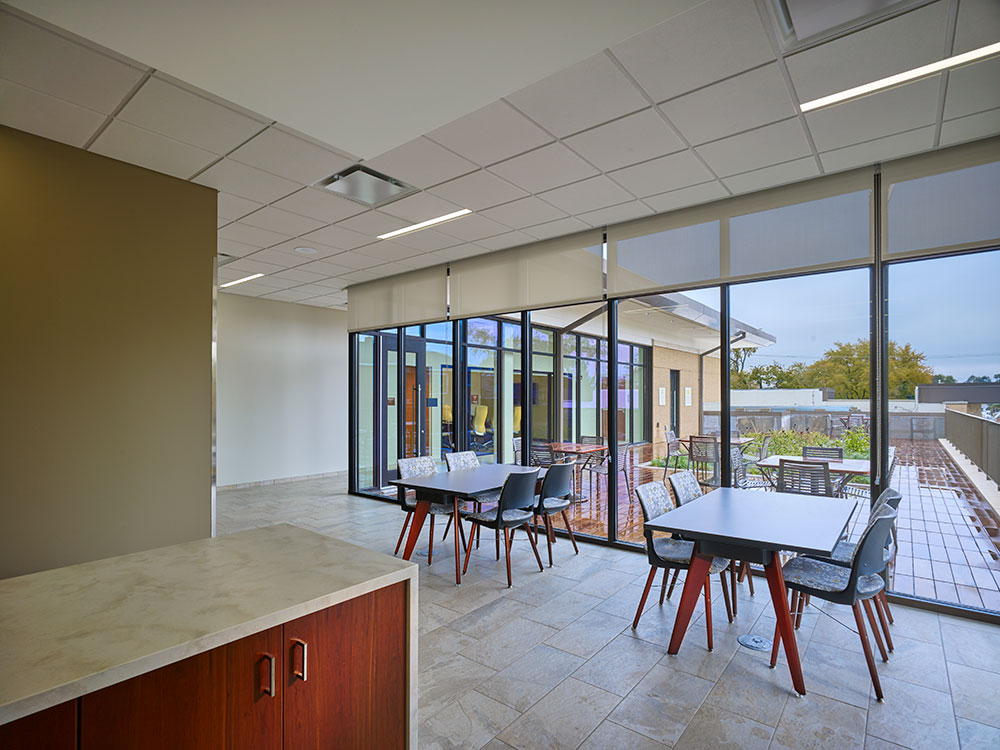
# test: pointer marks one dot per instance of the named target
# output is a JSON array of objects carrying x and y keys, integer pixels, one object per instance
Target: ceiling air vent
[{"x": 366, "y": 186}]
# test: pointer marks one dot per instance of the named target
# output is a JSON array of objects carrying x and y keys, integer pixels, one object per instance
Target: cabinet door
[
  {"x": 254, "y": 670},
  {"x": 51, "y": 729},
  {"x": 182, "y": 705},
  {"x": 346, "y": 674}
]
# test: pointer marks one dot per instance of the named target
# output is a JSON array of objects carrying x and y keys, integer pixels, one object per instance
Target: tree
[
  {"x": 982, "y": 379},
  {"x": 845, "y": 368},
  {"x": 943, "y": 379}
]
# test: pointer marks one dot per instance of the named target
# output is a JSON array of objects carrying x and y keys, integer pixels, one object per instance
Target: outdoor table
[
  {"x": 846, "y": 468},
  {"x": 755, "y": 527},
  {"x": 467, "y": 484},
  {"x": 577, "y": 449}
]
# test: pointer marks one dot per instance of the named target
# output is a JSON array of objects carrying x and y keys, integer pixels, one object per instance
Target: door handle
[
  {"x": 304, "y": 672},
  {"x": 269, "y": 687}
]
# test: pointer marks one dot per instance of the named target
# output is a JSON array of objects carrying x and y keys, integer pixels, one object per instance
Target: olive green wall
[{"x": 106, "y": 304}]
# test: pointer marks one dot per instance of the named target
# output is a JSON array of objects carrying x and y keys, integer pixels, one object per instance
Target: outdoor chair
[
  {"x": 704, "y": 456},
  {"x": 742, "y": 479},
  {"x": 667, "y": 553},
  {"x": 832, "y": 452},
  {"x": 804, "y": 478},
  {"x": 514, "y": 509},
  {"x": 854, "y": 583},
  {"x": 601, "y": 467},
  {"x": 517, "y": 449},
  {"x": 675, "y": 451},
  {"x": 554, "y": 497},
  {"x": 863, "y": 491},
  {"x": 423, "y": 466}
]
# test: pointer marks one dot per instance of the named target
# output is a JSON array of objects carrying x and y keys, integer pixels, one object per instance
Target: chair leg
[
  {"x": 548, "y": 536},
  {"x": 663, "y": 585},
  {"x": 497, "y": 535},
  {"x": 446, "y": 528},
  {"x": 880, "y": 609},
  {"x": 468, "y": 550},
  {"x": 402, "y": 533},
  {"x": 725, "y": 595},
  {"x": 569, "y": 529},
  {"x": 708, "y": 609},
  {"x": 803, "y": 600},
  {"x": 645, "y": 593},
  {"x": 749, "y": 577},
  {"x": 534, "y": 548},
  {"x": 673, "y": 580},
  {"x": 875, "y": 629},
  {"x": 885, "y": 606},
  {"x": 461, "y": 533},
  {"x": 872, "y": 670},
  {"x": 506, "y": 544},
  {"x": 430, "y": 547}
]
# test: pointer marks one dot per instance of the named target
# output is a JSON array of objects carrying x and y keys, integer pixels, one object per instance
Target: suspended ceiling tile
[
  {"x": 322, "y": 251},
  {"x": 875, "y": 116},
  {"x": 185, "y": 116},
  {"x": 47, "y": 116},
  {"x": 478, "y": 190},
  {"x": 974, "y": 88},
  {"x": 710, "y": 42},
  {"x": 472, "y": 227},
  {"x": 289, "y": 156},
  {"x": 240, "y": 232},
  {"x": 236, "y": 249},
  {"x": 970, "y": 127},
  {"x": 586, "y": 94},
  {"x": 356, "y": 260},
  {"x": 615, "y": 214},
  {"x": 771, "y": 144},
  {"x": 52, "y": 64},
  {"x": 150, "y": 150},
  {"x": 978, "y": 25},
  {"x": 689, "y": 196},
  {"x": 893, "y": 46},
  {"x": 502, "y": 241},
  {"x": 249, "y": 266},
  {"x": 288, "y": 295},
  {"x": 373, "y": 223},
  {"x": 458, "y": 252},
  {"x": 327, "y": 267},
  {"x": 749, "y": 100},
  {"x": 879, "y": 149},
  {"x": 233, "y": 207},
  {"x": 319, "y": 204},
  {"x": 524, "y": 212},
  {"x": 491, "y": 134},
  {"x": 284, "y": 222},
  {"x": 660, "y": 175},
  {"x": 425, "y": 260},
  {"x": 545, "y": 168},
  {"x": 278, "y": 258},
  {"x": 426, "y": 240},
  {"x": 246, "y": 182},
  {"x": 313, "y": 289},
  {"x": 421, "y": 163},
  {"x": 556, "y": 228},
  {"x": 356, "y": 277},
  {"x": 587, "y": 195},
  {"x": 630, "y": 140},
  {"x": 779, "y": 174},
  {"x": 339, "y": 237},
  {"x": 419, "y": 207}
]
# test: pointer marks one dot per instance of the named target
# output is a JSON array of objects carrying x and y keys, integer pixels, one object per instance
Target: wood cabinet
[
  {"x": 51, "y": 729},
  {"x": 337, "y": 678}
]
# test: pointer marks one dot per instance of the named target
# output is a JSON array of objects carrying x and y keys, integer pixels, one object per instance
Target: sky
[{"x": 947, "y": 308}]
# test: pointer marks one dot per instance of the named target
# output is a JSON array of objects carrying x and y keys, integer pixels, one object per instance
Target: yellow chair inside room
[{"x": 479, "y": 420}]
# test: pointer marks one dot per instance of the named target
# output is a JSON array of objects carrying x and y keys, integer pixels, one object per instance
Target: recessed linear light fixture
[
  {"x": 910, "y": 75},
  {"x": 425, "y": 224},
  {"x": 240, "y": 281}
]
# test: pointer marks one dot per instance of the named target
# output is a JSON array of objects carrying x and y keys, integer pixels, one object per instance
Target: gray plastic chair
[
  {"x": 674, "y": 554},
  {"x": 554, "y": 497}
]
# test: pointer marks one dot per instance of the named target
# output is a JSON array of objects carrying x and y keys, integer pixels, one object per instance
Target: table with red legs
[
  {"x": 454, "y": 487},
  {"x": 754, "y": 526}
]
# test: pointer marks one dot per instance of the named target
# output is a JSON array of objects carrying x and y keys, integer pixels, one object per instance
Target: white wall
[{"x": 281, "y": 390}]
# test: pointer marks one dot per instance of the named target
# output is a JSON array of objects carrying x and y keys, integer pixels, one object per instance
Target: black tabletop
[
  {"x": 467, "y": 483},
  {"x": 767, "y": 520}
]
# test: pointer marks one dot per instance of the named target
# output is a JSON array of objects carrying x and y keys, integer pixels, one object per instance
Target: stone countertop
[{"x": 70, "y": 631}]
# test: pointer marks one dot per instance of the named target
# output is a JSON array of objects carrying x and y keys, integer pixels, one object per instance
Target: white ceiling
[{"x": 692, "y": 109}]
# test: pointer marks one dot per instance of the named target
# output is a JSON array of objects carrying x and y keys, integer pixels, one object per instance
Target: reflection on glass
[
  {"x": 482, "y": 389},
  {"x": 481, "y": 331},
  {"x": 439, "y": 401},
  {"x": 391, "y": 421},
  {"x": 438, "y": 331},
  {"x": 366, "y": 413},
  {"x": 542, "y": 386}
]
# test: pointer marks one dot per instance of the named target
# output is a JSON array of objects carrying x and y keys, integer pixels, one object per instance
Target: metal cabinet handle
[
  {"x": 269, "y": 690},
  {"x": 303, "y": 675}
]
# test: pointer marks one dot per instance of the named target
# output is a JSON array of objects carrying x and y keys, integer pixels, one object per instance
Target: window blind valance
[{"x": 419, "y": 296}]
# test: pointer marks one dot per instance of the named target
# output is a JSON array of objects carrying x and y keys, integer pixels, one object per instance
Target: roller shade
[
  {"x": 407, "y": 299},
  {"x": 945, "y": 200},
  {"x": 561, "y": 271}
]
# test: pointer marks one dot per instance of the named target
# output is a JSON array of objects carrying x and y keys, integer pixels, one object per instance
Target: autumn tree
[{"x": 845, "y": 368}]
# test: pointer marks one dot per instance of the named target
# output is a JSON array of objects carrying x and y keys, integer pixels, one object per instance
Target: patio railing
[{"x": 978, "y": 438}]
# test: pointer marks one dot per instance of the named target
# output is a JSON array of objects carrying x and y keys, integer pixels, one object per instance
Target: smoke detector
[{"x": 366, "y": 186}]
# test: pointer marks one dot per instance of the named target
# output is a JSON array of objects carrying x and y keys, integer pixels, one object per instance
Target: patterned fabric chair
[
  {"x": 833, "y": 452},
  {"x": 804, "y": 478},
  {"x": 685, "y": 486},
  {"x": 463, "y": 461},
  {"x": 855, "y": 584},
  {"x": 554, "y": 497},
  {"x": 422, "y": 466},
  {"x": 514, "y": 509},
  {"x": 665, "y": 553}
]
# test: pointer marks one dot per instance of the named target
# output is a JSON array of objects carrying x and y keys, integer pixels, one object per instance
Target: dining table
[
  {"x": 755, "y": 527},
  {"x": 577, "y": 449},
  {"x": 454, "y": 487},
  {"x": 845, "y": 469}
]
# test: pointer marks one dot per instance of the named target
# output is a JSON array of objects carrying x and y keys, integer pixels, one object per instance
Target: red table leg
[
  {"x": 779, "y": 600},
  {"x": 415, "y": 526},
  {"x": 694, "y": 584}
]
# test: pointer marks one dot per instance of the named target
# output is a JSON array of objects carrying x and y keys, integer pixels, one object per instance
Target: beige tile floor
[{"x": 554, "y": 663}]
